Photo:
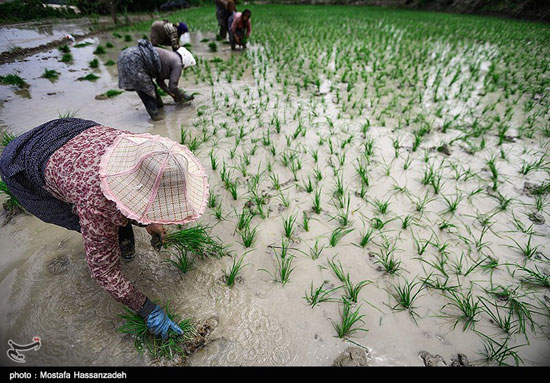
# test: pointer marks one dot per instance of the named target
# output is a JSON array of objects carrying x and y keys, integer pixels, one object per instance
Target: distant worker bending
[
  {"x": 166, "y": 33},
  {"x": 240, "y": 28}
]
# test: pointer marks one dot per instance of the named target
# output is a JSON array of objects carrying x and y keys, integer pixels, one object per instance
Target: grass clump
[
  {"x": 88, "y": 77},
  {"x": 50, "y": 74}
]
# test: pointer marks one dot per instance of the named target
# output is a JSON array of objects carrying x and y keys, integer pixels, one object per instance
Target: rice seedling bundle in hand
[
  {"x": 169, "y": 348},
  {"x": 197, "y": 241}
]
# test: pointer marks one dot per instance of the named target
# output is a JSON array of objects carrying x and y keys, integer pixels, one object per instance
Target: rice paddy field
[{"x": 379, "y": 178}]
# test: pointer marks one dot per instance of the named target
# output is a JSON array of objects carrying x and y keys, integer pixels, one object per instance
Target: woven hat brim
[{"x": 199, "y": 177}]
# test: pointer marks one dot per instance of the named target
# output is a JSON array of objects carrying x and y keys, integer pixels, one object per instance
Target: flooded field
[{"x": 391, "y": 165}]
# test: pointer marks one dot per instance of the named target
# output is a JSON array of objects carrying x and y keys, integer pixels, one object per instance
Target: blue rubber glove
[{"x": 159, "y": 323}]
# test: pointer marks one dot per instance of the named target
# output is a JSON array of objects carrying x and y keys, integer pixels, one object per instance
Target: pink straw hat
[{"x": 153, "y": 179}]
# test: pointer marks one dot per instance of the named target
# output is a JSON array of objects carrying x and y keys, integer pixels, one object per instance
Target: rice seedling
[
  {"x": 82, "y": 45},
  {"x": 196, "y": 240},
  {"x": 184, "y": 260},
  {"x": 534, "y": 277},
  {"x": 230, "y": 275},
  {"x": 6, "y": 138},
  {"x": 13, "y": 79},
  {"x": 499, "y": 353},
  {"x": 315, "y": 251},
  {"x": 467, "y": 306},
  {"x": 109, "y": 63},
  {"x": 320, "y": 295},
  {"x": 213, "y": 46},
  {"x": 348, "y": 319},
  {"x": 352, "y": 291},
  {"x": 288, "y": 226},
  {"x": 89, "y": 77},
  {"x": 169, "y": 348},
  {"x": 317, "y": 201},
  {"x": 405, "y": 296},
  {"x": 94, "y": 63},
  {"x": 527, "y": 250},
  {"x": 11, "y": 204},
  {"x": 248, "y": 235},
  {"x": 64, "y": 48},
  {"x": 50, "y": 74},
  {"x": 99, "y": 50},
  {"x": 305, "y": 221},
  {"x": 283, "y": 270},
  {"x": 338, "y": 234},
  {"x": 366, "y": 237}
]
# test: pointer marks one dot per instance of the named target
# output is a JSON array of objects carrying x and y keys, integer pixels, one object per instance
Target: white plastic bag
[
  {"x": 185, "y": 39},
  {"x": 186, "y": 57}
]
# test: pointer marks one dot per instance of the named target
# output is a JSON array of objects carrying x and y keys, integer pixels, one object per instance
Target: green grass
[{"x": 89, "y": 77}]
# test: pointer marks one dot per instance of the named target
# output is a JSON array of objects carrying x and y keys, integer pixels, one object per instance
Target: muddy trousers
[
  {"x": 126, "y": 242},
  {"x": 151, "y": 104},
  {"x": 222, "y": 16}
]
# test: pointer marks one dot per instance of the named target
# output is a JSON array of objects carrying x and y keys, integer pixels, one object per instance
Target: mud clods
[
  {"x": 352, "y": 357},
  {"x": 204, "y": 329},
  {"x": 437, "y": 361},
  {"x": 537, "y": 218}
]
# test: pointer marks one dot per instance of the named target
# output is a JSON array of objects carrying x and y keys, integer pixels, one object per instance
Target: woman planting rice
[
  {"x": 138, "y": 66},
  {"x": 98, "y": 180}
]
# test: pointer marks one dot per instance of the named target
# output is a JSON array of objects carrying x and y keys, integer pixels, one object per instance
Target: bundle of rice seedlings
[
  {"x": 197, "y": 241},
  {"x": 169, "y": 348}
]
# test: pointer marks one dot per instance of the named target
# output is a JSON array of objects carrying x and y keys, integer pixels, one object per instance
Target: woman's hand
[{"x": 158, "y": 233}]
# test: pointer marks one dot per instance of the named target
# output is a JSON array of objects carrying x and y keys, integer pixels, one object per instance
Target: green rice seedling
[
  {"x": 494, "y": 172},
  {"x": 13, "y": 79},
  {"x": 213, "y": 46},
  {"x": 288, "y": 226},
  {"x": 212, "y": 200},
  {"x": 420, "y": 204},
  {"x": 352, "y": 291},
  {"x": 197, "y": 241},
  {"x": 467, "y": 306},
  {"x": 127, "y": 38},
  {"x": 338, "y": 234},
  {"x": 338, "y": 270},
  {"x": 67, "y": 114},
  {"x": 308, "y": 186},
  {"x": 12, "y": 203},
  {"x": 348, "y": 319},
  {"x": 232, "y": 186},
  {"x": 381, "y": 206},
  {"x": 452, "y": 203},
  {"x": 528, "y": 250},
  {"x": 504, "y": 321},
  {"x": 88, "y": 77},
  {"x": 284, "y": 269},
  {"x": 174, "y": 345},
  {"x": 64, "y": 48},
  {"x": 315, "y": 251},
  {"x": 67, "y": 58},
  {"x": 405, "y": 296},
  {"x": 82, "y": 45},
  {"x": 243, "y": 219},
  {"x": 247, "y": 236},
  {"x": 317, "y": 201},
  {"x": 284, "y": 200},
  {"x": 499, "y": 353},
  {"x": 387, "y": 260},
  {"x": 218, "y": 212},
  {"x": 184, "y": 260},
  {"x": 50, "y": 74},
  {"x": 109, "y": 63},
  {"x": 113, "y": 93},
  {"x": 534, "y": 277},
  {"x": 94, "y": 63},
  {"x": 319, "y": 295},
  {"x": 230, "y": 275},
  {"x": 366, "y": 237},
  {"x": 275, "y": 183},
  {"x": 109, "y": 45},
  {"x": 99, "y": 50},
  {"x": 6, "y": 138},
  {"x": 305, "y": 221}
]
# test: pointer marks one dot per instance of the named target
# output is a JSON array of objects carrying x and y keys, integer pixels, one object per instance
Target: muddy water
[{"x": 47, "y": 290}]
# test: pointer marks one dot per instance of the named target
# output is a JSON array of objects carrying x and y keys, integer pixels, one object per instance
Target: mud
[{"x": 45, "y": 283}]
